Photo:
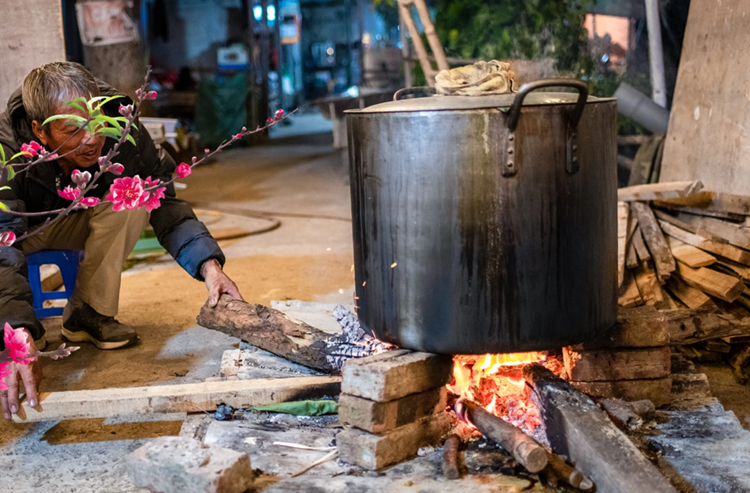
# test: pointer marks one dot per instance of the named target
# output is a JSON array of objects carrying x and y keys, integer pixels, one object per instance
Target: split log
[
  {"x": 711, "y": 282},
  {"x": 691, "y": 297},
  {"x": 723, "y": 249},
  {"x": 191, "y": 397},
  {"x": 577, "y": 428},
  {"x": 527, "y": 451},
  {"x": 688, "y": 254},
  {"x": 450, "y": 457},
  {"x": 657, "y": 245},
  {"x": 623, "y": 212},
  {"x": 269, "y": 329},
  {"x": 659, "y": 191}
]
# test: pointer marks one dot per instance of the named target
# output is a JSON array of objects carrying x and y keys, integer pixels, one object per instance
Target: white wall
[{"x": 31, "y": 35}]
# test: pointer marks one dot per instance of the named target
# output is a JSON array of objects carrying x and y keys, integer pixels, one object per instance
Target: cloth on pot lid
[{"x": 480, "y": 79}]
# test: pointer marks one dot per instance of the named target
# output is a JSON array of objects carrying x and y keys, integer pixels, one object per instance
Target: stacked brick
[{"x": 391, "y": 405}]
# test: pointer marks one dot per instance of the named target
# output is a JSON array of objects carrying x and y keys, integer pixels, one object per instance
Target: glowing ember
[{"x": 495, "y": 382}]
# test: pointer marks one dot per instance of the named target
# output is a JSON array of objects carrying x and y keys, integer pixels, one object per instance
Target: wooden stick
[
  {"x": 568, "y": 473},
  {"x": 431, "y": 35},
  {"x": 657, "y": 245},
  {"x": 623, "y": 213},
  {"x": 404, "y": 10},
  {"x": 659, "y": 191},
  {"x": 640, "y": 247},
  {"x": 577, "y": 428},
  {"x": 190, "y": 397},
  {"x": 527, "y": 451},
  {"x": 450, "y": 457}
]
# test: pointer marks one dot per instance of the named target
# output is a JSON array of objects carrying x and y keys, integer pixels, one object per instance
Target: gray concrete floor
[{"x": 301, "y": 183}]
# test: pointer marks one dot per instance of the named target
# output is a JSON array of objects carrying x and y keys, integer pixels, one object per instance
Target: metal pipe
[
  {"x": 636, "y": 105},
  {"x": 655, "y": 53}
]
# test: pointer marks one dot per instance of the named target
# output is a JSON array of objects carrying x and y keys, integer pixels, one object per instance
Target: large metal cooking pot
[{"x": 486, "y": 224}]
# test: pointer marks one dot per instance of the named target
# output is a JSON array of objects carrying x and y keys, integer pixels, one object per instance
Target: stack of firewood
[{"x": 682, "y": 247}]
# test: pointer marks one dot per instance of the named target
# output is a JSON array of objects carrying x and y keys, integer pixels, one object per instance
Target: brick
[
  {"x": 395, "y": 374},
  {"x": 617, "y": 364},
  {"x": 378, "y": 417},
  {"x": 185, "y": 465},
  {"x": 375, "y": 452},
  {"x": 658, "y": 391}
]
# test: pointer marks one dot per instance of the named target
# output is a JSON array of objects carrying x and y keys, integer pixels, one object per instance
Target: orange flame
[{"x": 495, "y": 382}]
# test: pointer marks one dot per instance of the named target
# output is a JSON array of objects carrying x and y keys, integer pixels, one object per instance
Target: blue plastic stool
[{"x": 67, "y": 261}]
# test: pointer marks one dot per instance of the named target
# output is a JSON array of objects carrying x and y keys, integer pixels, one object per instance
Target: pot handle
[
  {"x": 583, "y": 93},
  {"x": 406, "y": 91}
]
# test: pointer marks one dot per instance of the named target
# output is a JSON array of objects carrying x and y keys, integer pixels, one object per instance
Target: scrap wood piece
[
  {"x": 189, "y": 397},
  {"x": 692, "y": 298},
  {"x": 722, "y": 286},
  {"x": 631, "y": 259},
  {"x": 688, "y": 254},
  {"x": 733, "y": 267},
  {"x": 629, "y": 296},
  {"x": 731, "y": 232},
  {"x": 623, "y": 213},
  {"x": 723, "y": 249},
  {"x": 640, "y": 247},
  {"x": 577, "y": 428},
  {"x": 689, "y": 326},
  {"x": 659, "y": 191},
  {"x": 657, "y": 245},
  {"x": 699, "y": 212},
  {"x": 558, "y": 469},
  {"x": 648, "y": 286},
  {"x": 708, "y": 203},
  {"x": 674, "y": 221}
]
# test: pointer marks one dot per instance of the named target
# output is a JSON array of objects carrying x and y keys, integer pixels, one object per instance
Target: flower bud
[
  {"x": 278, "y": 115},
  {"x": 80, "y": 178}
]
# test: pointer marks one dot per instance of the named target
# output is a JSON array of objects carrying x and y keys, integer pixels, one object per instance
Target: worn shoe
[
  {"x": 84, "y": 324},
  {"x": 41, "y": 343}
]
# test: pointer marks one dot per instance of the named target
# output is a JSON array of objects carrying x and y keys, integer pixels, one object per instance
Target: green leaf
[
  {"x": 11, "y": 172},
  {"x": 4, "y": 188},
  {"x": 112, "y": 133},
  {"x": 4, "y": 207},
  {"x": 77, "y": 106},
  {"x": 131, "y": 139},
  {"x": 111, "y": 121},
  {"x": 65, "y": 117},
  {"x": 301, "y": 408},
  {"x": 2, "y": 154}
]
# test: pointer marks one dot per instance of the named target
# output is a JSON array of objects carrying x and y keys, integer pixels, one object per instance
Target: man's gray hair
[{"x": 49, "y": 86}]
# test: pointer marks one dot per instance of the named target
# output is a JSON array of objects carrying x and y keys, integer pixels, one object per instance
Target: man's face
[{"x": 76, "y": 146}]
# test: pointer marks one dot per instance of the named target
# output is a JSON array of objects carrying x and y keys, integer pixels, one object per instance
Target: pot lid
[{"x": 447, "y": 103}]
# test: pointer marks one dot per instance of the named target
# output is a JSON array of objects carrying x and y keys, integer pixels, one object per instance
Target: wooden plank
[
  {"x": 723, "y": 249},
  {"x": 190, "y": 397},
  {"x": 710, "y": 111},
  {"x": 657, "y": 245},
  {"x": 711, "y": 282},
  {"x": 395, "y": 374},
  {"x": 691, "y": 297},
  {"x": 739, "y": 269},
  {"x": 688, "y": 254},
  {"x": 617, "y": 364},
  {"x": 656, "y": 390},
  {"x": 733, "y": 233},
  {"x": 378, "y": 417},
  {"x": 578, "y": 428},
  {"x": 698, "y": 211},
  {"x": 623, "y": 212},
  {"x": 640, "y": 247},
  {"x": 629, "y": 296},
  {"x": 659, "y": 191}
]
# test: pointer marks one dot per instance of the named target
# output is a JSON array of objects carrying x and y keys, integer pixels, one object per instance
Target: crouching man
[{"x": 105, "y": 236}]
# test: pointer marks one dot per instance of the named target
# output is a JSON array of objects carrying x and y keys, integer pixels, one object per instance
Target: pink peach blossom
[
  {"x": 7, "y": 238},
  {"x": 17, "y": 344},
  {"x": 69, "y": 193},
  {"x": 32, "y": 148},
  {"x": 153, "y": 200},
  {"x": 183, "y": 169},
  {"x": 90, "y": 201},
  {"x": 116, "y": 169},
  {"x": 127, "y": 193}
]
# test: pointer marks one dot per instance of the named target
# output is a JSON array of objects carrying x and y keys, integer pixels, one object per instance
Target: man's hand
[
  {"x": 30, "y": 375},
  {"x": 218, "y": 283}
]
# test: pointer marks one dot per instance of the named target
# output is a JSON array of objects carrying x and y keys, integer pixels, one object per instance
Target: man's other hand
[
  {"x": 218, "y": 283},
  {"x": 30, "y": 375}
]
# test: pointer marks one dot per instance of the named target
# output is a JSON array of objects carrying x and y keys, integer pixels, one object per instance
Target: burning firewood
[
  {"x": 559, "y": 470},
  {"x": 527, "y": 451}
]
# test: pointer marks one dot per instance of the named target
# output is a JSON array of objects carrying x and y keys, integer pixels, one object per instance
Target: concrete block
[
  {"x": 378, "y": 451},
  {"x": 395, "y": 374},
  {"x": 378, "y": 417},
  {"x": 185, "y": 465}
]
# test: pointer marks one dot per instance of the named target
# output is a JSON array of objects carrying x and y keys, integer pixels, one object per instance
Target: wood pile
[{"x": 680, "y": 247}]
